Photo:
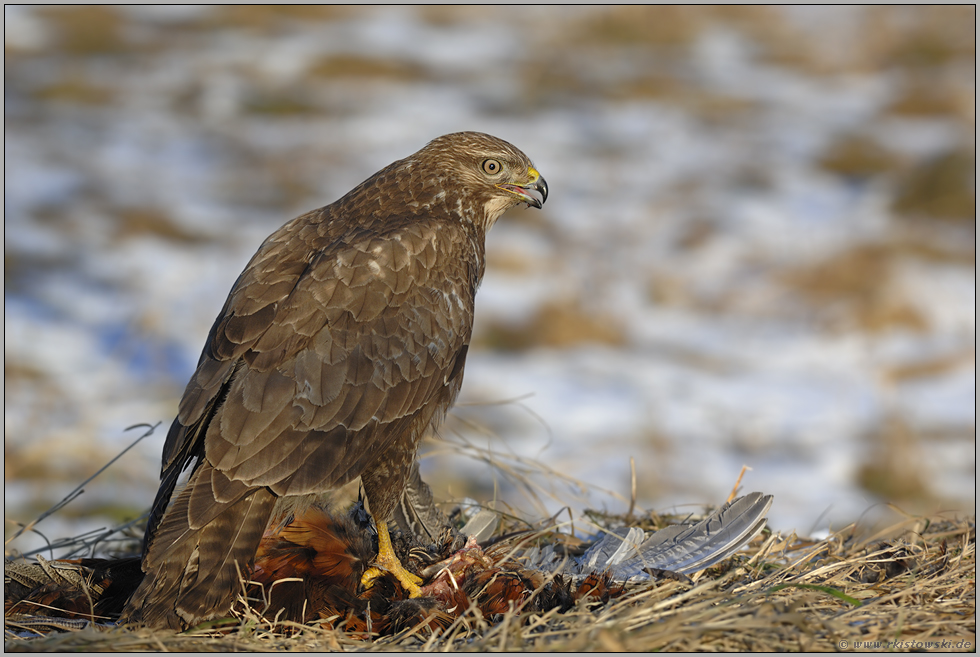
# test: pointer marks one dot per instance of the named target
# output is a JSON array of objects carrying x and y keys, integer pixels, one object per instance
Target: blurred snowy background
[{"x": 759, "y": 246}]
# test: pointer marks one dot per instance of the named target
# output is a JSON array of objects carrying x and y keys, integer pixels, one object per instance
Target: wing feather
[{"x": 305, "y": 363}]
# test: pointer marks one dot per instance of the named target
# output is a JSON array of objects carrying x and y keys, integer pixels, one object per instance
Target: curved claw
[
  {"x": 409, "y": 581},
  {"x": 387, "y": 561}
]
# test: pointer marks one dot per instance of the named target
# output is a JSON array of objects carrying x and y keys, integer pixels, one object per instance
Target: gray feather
[
  {"x": 689, "y": 549},
  {"x": 628, "y": 552}
]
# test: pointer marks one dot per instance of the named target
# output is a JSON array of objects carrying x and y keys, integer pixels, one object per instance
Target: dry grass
[
  {"x": 783, "y": 593},
  {"x": 912, "y": 582}
]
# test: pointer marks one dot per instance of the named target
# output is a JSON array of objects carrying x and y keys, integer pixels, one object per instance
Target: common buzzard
[{"x": 342, "y": 342}]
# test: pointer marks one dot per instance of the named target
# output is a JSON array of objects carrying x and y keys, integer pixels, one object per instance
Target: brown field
[{"x": 913, "y": 583}]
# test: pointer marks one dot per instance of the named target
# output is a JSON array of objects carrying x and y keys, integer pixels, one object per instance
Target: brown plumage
[
  {"x": 340, "y": 344},
  {"x": 311, "y": 566},
  {"x": 327, "y": 553},
  {"x": 309, "y": 569},
  {"x": 93, "y": 589}
]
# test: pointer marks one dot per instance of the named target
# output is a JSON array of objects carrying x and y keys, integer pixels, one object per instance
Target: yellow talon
[{"x": 387, "y": 561}]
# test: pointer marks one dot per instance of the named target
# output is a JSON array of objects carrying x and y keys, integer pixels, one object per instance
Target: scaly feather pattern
[{"x": 341, "y": 343}]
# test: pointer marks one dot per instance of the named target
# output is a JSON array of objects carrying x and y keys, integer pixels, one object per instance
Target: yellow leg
[{"x": 387, "y": 561}]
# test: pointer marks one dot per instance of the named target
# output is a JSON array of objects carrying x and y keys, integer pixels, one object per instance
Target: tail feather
[
  {"x": 191, "y": 572},
  {"x": 690, "y": 549},
  {"x": 75, "y": 588},
  {"x": 629, "y": 552}
]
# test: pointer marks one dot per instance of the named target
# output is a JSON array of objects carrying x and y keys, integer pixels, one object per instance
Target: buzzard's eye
[{"x": 491, "y": 167}]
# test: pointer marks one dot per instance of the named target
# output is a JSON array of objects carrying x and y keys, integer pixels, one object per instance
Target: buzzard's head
[{"x": 485, "y": 175}]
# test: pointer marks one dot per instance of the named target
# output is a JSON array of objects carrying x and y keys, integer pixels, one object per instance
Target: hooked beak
[{"x": 534, "y": 193}]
